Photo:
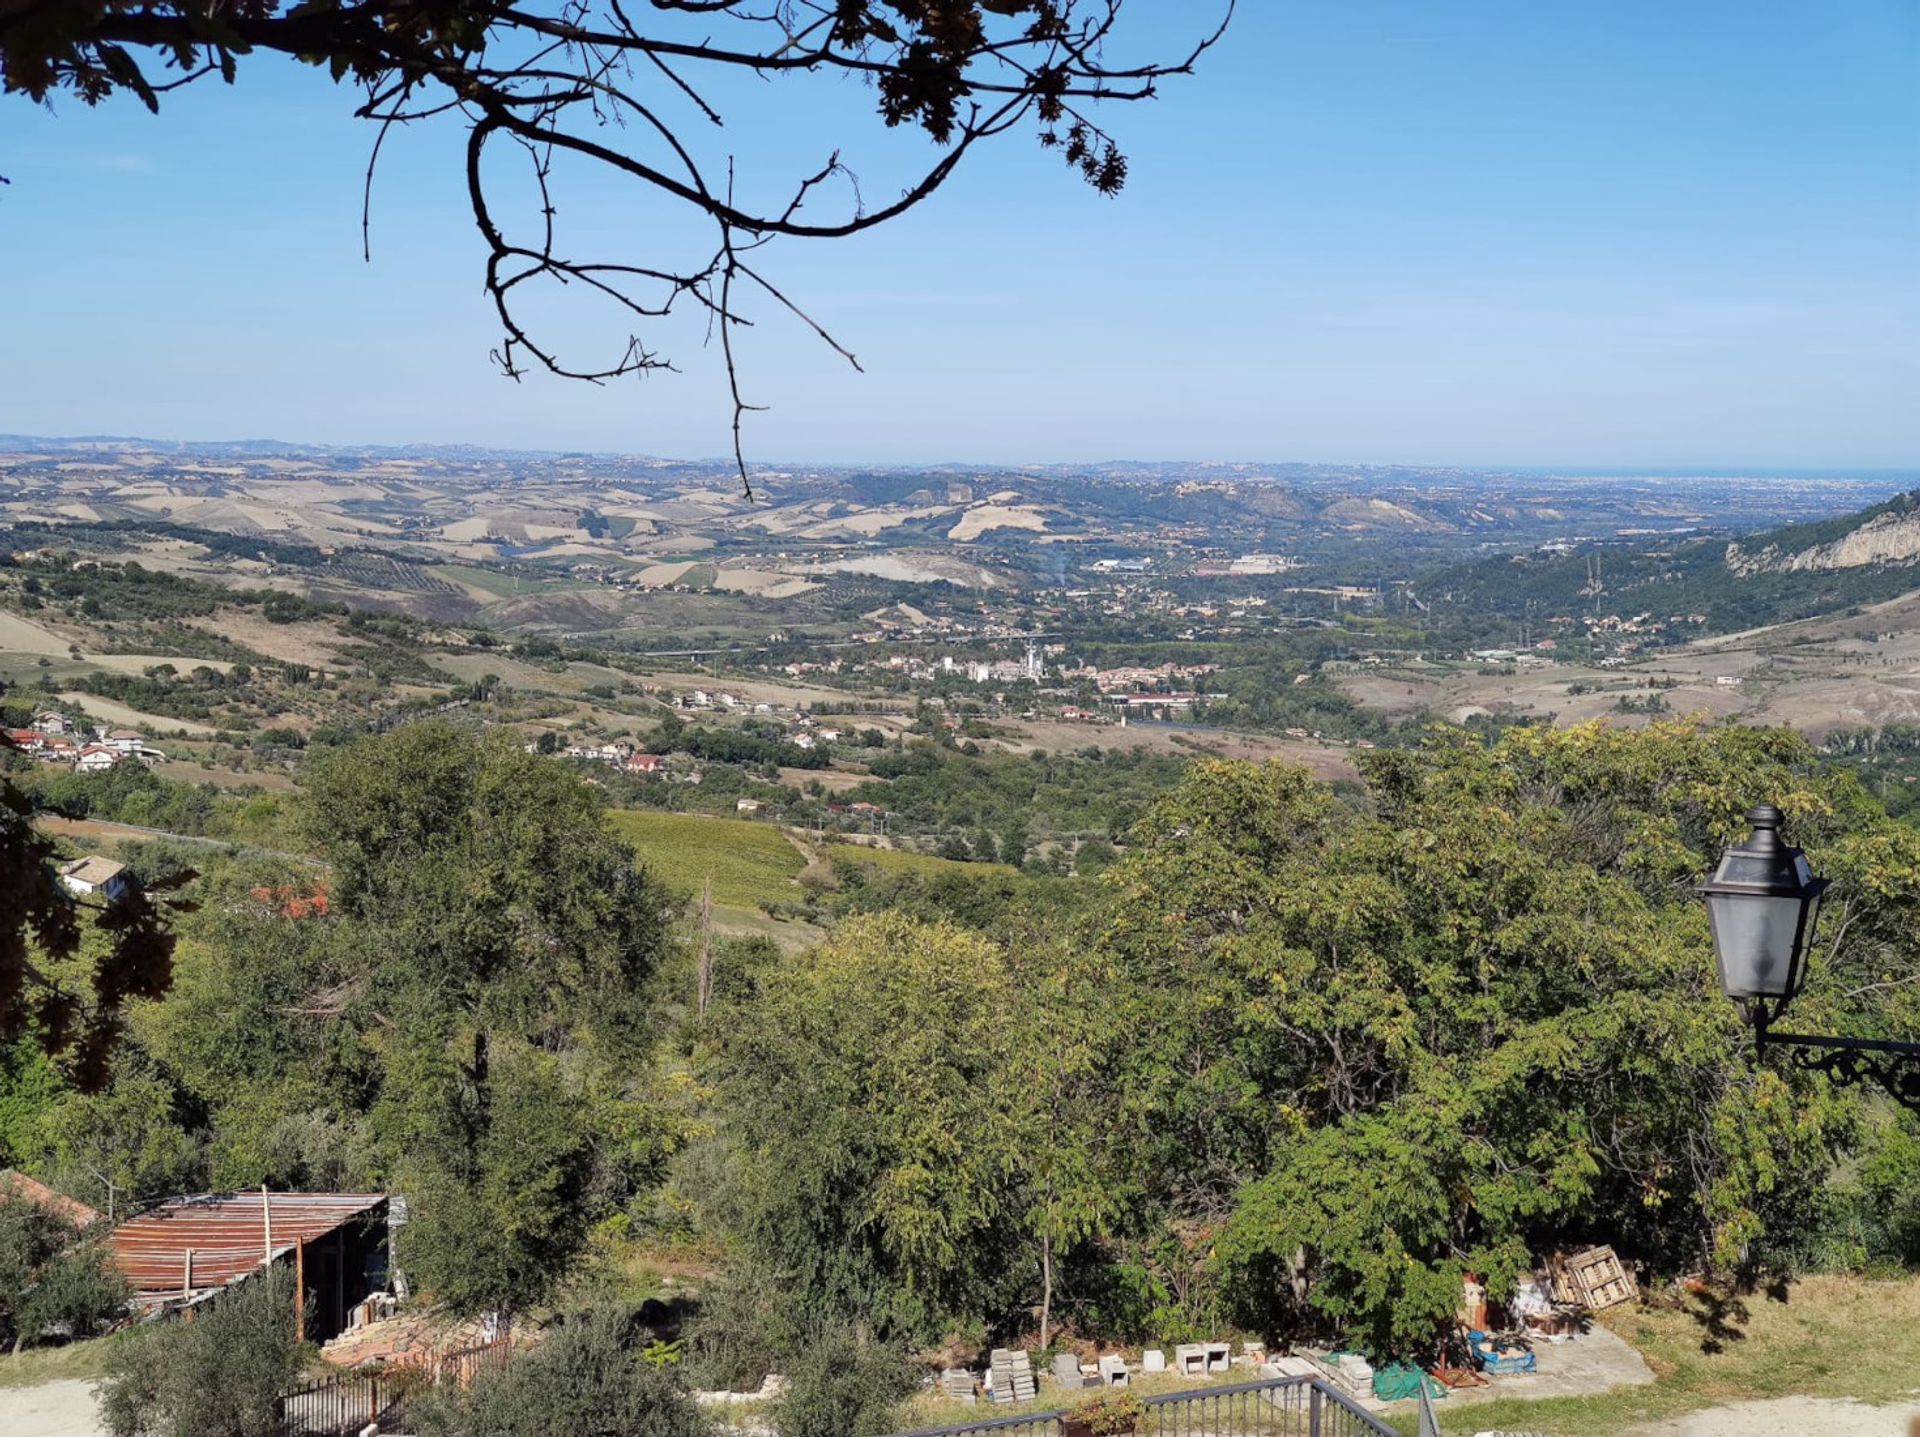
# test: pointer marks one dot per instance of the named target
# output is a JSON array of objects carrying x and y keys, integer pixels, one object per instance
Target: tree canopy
[
  {"x": 500, "y": 943},
  {"x": 56, "y": 988},
  {"x": 1312, "y": 1058},
  {"x": 1295, "y": 1061}
]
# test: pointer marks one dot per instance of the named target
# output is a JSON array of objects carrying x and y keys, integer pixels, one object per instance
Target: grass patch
[
  {"x": 932, "y": 1408},
  {"x": 1819, "y": 1337},
  {"x": 85, "y": 1361},
  {"x": 487, "y": 581},
  {"x": 749, "y": 863}
]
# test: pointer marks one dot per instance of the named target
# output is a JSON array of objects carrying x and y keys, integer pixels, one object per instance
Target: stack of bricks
[
  {"x": 1066, "y": 1372},
  {"x": 411, "y": 1339},
  {"x": 957, "y": 1383},
  {"x": 1010, "y": 1377}
]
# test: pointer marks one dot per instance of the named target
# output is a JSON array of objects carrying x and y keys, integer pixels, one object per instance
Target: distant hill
[
  {"x": 1799, "y": 571},
  {"x": 643, "y": 521}
]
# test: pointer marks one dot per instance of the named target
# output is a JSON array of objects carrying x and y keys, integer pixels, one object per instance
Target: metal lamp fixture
[{"x": 1762, "y": 902}]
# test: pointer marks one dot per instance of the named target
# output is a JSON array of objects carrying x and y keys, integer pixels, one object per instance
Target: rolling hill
[{"x": 1799, "y": 571}]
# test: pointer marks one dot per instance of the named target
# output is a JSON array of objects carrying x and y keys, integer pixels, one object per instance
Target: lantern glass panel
[{"x": 1755, "y": 936}]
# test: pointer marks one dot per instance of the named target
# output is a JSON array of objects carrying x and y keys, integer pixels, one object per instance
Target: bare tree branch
[{"x": 586, "y": 82}]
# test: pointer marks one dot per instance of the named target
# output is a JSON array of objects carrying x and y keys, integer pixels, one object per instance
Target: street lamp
[{"x": 1762, "y": 903}]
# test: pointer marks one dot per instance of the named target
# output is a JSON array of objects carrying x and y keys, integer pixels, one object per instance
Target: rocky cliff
[{"x": 1889, "y": 537}]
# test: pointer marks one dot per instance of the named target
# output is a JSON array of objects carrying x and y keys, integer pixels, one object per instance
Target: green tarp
[{"x": 1390, "y": 1384}]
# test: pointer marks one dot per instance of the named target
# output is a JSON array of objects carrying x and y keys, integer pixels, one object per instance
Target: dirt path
[
  {"x": 1791, "y": 1417},
  {"x": 53, "y": 1409}
]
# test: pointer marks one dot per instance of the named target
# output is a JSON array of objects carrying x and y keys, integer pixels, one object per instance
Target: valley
[{"x": 967, "y": 667}]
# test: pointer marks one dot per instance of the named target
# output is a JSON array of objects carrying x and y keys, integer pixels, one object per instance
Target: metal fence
[
  {"x": 1277, "y": 1407},
  {"x": 345, "y": 1405}
]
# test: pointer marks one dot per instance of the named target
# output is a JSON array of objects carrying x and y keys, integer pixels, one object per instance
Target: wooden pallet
[{"x": 1593, "y": 1277}]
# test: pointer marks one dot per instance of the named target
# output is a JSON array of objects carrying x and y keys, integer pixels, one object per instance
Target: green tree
[
  {"x": 1475, "y": 1017},
  {"x": 1065, "y": 1068},
  {"x": 51, "y": 1274},
  {"x": 507, "y": 939},
  {"x": 840, "y": 1386},
  {"x": 586, "y": 1380},
  {"x": 123, "y": 1145},
  {"x": 867, "y": 1090},
  {"x": 72, "y": 1000}
]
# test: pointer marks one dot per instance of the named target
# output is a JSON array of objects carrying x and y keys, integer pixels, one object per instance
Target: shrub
[
  {"x": 588, "y": 1380},
  {"x": 1108, "y": 1412},
  {"x": 745, "y": 1321},
  {"x": 53, "y": 1277},
  {"x": 842, "y": 1387},
  {"x": 220, "y": 1375}
]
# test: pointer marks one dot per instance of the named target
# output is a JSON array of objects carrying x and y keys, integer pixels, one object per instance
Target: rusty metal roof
[{"x": 226, "y": 1233}]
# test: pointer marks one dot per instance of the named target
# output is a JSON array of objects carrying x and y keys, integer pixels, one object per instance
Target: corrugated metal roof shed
[{"x": 226, "y": 1234}]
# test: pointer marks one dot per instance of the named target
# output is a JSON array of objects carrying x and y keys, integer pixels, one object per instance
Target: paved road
[{"x": 53, "y": 1409}]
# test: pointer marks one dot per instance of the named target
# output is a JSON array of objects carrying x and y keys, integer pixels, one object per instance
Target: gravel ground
[
  {"x": 53, "y": 1409},
  {"x": 1791, "y": 1417}
]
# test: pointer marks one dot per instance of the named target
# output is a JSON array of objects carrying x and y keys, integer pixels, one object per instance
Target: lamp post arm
[{"x": 1893, "y": 1066}]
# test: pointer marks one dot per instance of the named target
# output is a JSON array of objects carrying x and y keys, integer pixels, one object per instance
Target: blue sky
[{"x": 1635, "y": 234}]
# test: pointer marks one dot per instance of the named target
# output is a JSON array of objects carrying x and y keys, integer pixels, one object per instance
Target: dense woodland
[{"x": 1291, "y": 1065}]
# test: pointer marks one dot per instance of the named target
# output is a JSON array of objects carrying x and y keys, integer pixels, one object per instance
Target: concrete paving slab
[{"x": 1595, "y": 1361}]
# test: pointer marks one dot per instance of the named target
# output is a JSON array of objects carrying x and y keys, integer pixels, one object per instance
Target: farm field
[
  {"x": 490, "y": 583},
  {"x": 24, "y": 636},
  {"x": 749, "y": 863},
  {"x": 114, "y": 712},
  {"x": 1324, "y": 761},
  {"x": 187, "y": 771}
]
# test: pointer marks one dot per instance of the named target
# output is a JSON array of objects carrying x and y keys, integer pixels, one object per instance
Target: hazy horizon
[{"x": 1547, "y": 471}]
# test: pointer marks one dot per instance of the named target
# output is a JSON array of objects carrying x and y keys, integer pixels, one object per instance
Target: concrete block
[{"x": 1066, "y": 1372}]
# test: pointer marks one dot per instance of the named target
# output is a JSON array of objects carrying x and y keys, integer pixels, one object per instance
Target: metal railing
[
  {"x": 1276, "y": 1407},
  {"x": 345, "y": 1405},
  {"x": 1429, "y": 1423}
]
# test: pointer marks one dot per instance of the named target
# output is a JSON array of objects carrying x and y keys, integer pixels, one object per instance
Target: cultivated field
[{"x": 749, "y": 863}]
